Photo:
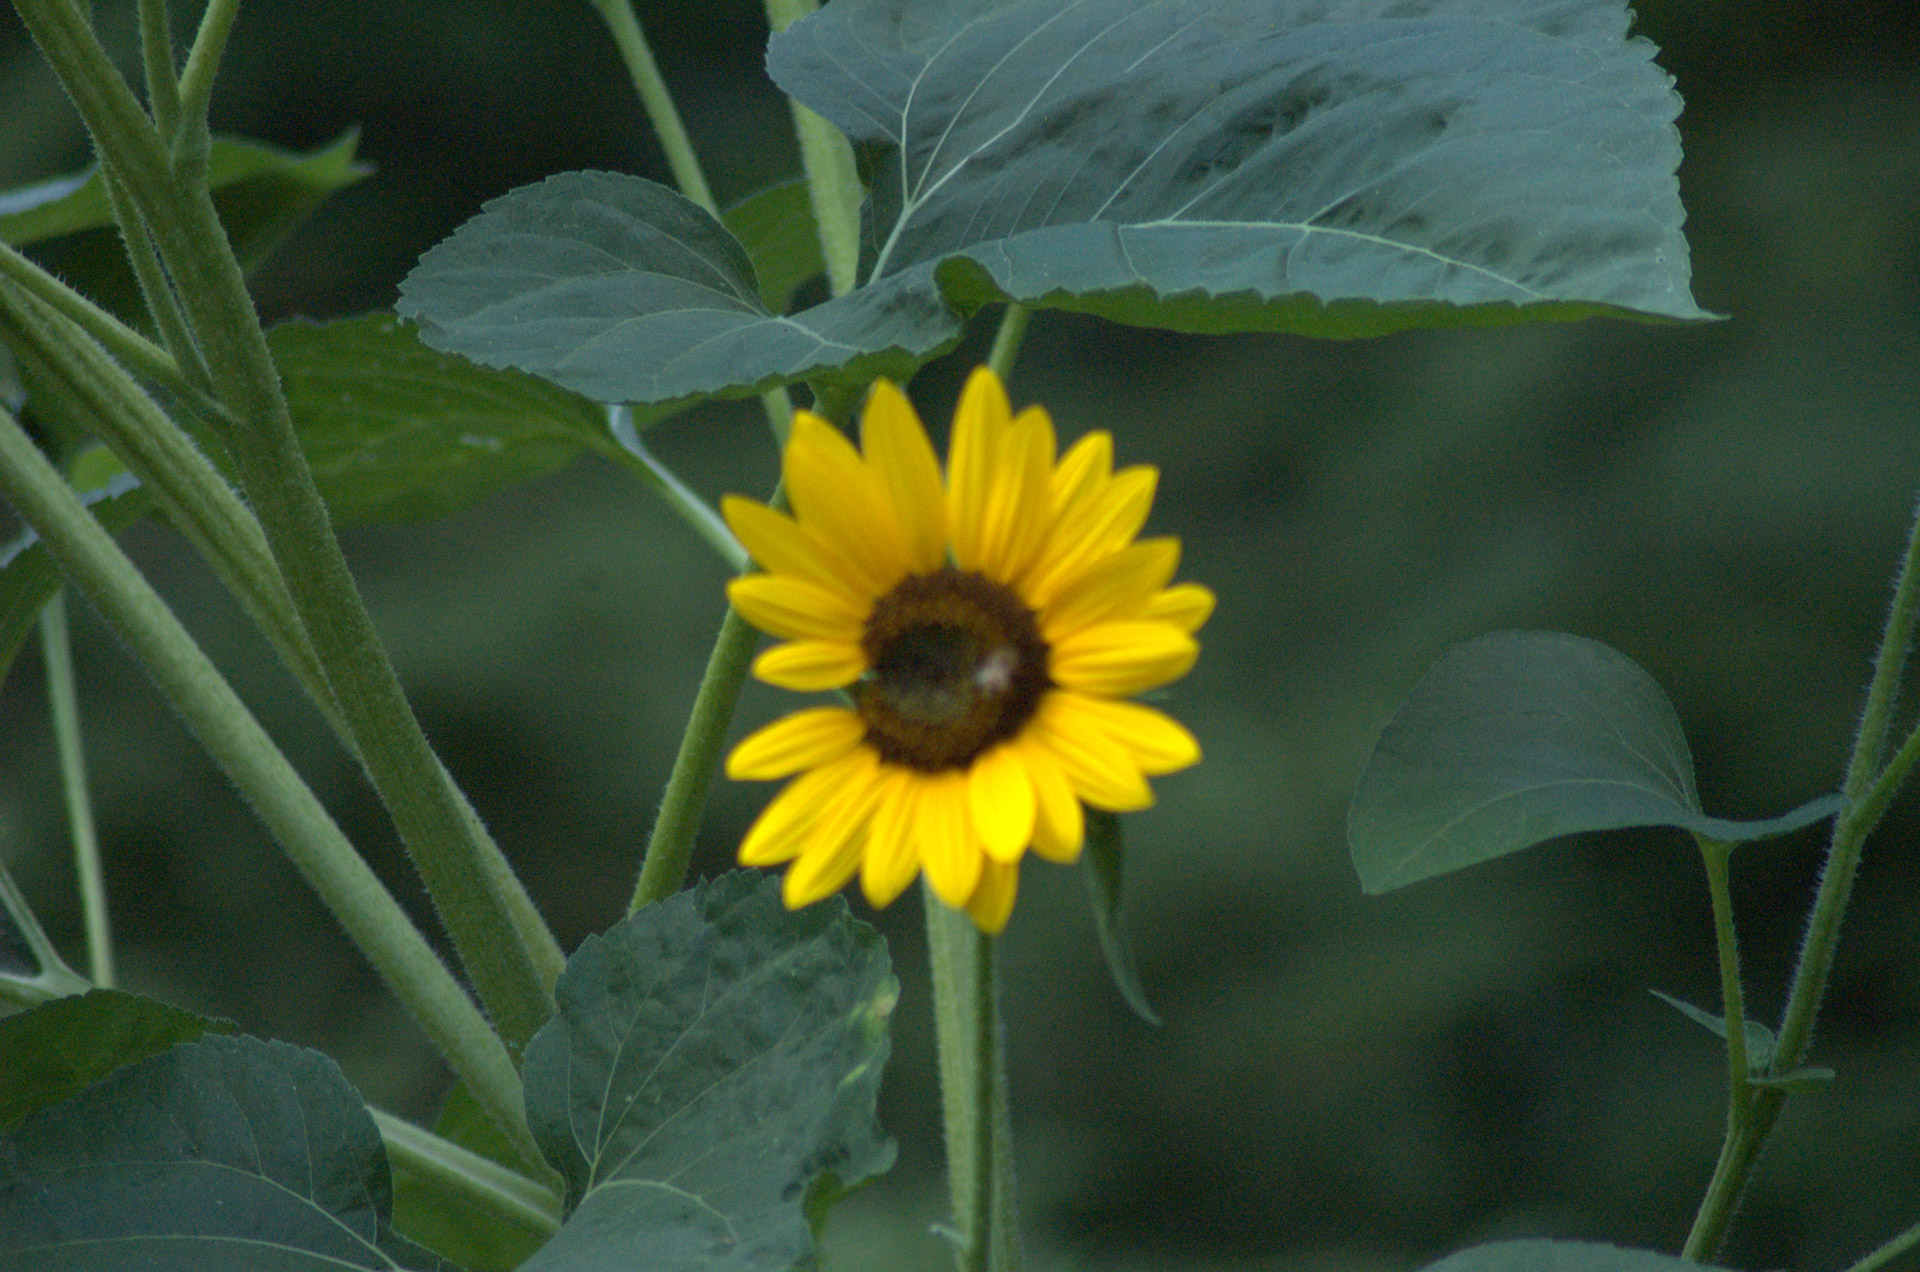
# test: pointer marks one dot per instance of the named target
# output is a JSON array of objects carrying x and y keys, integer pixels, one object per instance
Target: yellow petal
[
  {"x": 1116, "y": 586},
  {"x": 1017, "y": 514},
  {"x": 782, "y": 546},
  {"x": 992, "y": 901},
  {"x": 1000, "y": 797},
  {"x": 832, "y": 850},
  {"x": 980, "y": 423},
  {"x": 1185, "y": 605},
  {"x": 1059, "y": 823},
  {"x": 949, "y": 849},
  {"x": 1084, "y": 469},
  {"x": 1158, "y": 743},
  {"x": 891, "y": 859},
  {"x": 794, "y": 609},
  {"x": 803, "y": 740},
  {"x": 907, "y": 473},
  {"x": 781, "y": 829},
  {"x": 1119, "y": 659},
  {"x": 1098, "y": 768},
  {"x": 1101, "y": 523},
  {"x": 834, "y": 498},
  {"x": 811, "y": 666}
]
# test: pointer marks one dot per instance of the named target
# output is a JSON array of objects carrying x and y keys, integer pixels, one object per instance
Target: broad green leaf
[
  {"x": 474, "y": 1236},
  {"x": 713, "y": 1064},
  {"x": 1761, "y": 1041},
  {"x": 262, "y": 192},
  {"x": 1328, "y": 167},
  {"x": 225, "y": 1153},
  {"x": 1519, "y": 737},
  {"x": 776, "y": 227},
  {"x": 1103, "y": 861},
  {"x": 28, "y": 575},
  {"x": 55, "y": 1050},
  {"x": 619, "y": 288},
  {"x": 396, "y": 431},
  {"x": 1559, "y": 1256}
]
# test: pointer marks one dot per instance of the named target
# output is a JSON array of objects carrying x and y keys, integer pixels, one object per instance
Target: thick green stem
[
  {"x": 833, "y": 178},
  {"x": 670, "y": 846},
  {"x": 973, "y": 1090},
  {"x": 162, "y": 304},
  {"x": 139, "y": 354},
  {"x": 480, "y": 900},
  {"x": 658, "y": 103},
  {"x": 156, "y": 55},
  {"x": 504, "y": 1192},
  {"x": 64, "y": 700},
  {"x": 1866, "y": 792},
  {"x": 315, "y": 844},
  {"x": 196, "y": 78}
]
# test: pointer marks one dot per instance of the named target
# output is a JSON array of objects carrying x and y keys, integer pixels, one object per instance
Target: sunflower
[{"x": 987, "y": 633}]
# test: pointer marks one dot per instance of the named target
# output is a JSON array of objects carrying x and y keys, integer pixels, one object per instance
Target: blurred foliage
[{"x": 1342, "y": 1082}]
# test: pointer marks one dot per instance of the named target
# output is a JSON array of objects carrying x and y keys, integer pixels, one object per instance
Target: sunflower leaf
[
  {"x": 53, "y": 1051},
  {"x": 1103, "y": 860},
  {"x": 213, "y": 1147},
  {"x": 28, "y": 574},
  {"x": 1559, "y": 1256},
  {"x": 1334, "y": 169},
  {"x": 776, "y": 227},
  {"x": 711, "y": 1070},
  {"x": 621, "y": 289},
  {"x": 396, "y": 431},
  {"x": 1519, "y": 737}
]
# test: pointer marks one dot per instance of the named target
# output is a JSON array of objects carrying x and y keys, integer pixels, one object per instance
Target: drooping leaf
[
  {"x": 28, "y": 575},
  {"x": 53, "y": 1051},
  {"x": 262, "y": 192},
  {"x": 1519, "y": 737},
  {"x": 776, "y": 227},
  {"x": 714, "y": 1062},
  {"x": 1761, "y": 1041},
  {"x": 225, "y": 1153},
  {"x": 396, "y": 431},
  {"x": 1103, "y": 860},
  {"x": 1329, "y": 167},
  {"x": 1559, "y": 1256},
  {"x": 474, "y": 1236},
  {"x": 621, "y": 289}
]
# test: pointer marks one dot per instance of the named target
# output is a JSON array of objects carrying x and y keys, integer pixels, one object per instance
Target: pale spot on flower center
[{"x": 957, "y": 665}]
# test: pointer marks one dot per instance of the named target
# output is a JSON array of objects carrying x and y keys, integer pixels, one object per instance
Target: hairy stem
[
  {"x": 833, "y": 179},
  {"x": 269, "y": 783},
  {"x": 658, "y": 103},
  {"x": 1887, "y": 1253},
  {"x": 504, "y": 1192},
  {"x": 64, "y": 701}
]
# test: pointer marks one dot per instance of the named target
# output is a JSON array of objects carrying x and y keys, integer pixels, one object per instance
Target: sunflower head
[{"x": 987, "y": 630}]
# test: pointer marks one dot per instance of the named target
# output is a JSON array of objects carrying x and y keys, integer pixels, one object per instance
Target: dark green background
[{"x": 1341, "y": 1082}]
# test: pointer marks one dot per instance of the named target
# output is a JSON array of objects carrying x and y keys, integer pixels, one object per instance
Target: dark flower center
[{"x": 957, "y": 664}]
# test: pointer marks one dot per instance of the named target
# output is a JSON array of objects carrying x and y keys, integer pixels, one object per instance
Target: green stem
[
  {"x": 315, "y": 844},
  {"x": 156, "y": 50},
  {"x": 632, "y": 453},
  {"x": 1889, "y": 1252},
  {"x": 973, "y": 1090},
  {"x": 196, "y": 78},
  {"x": 1709, "y": 1221},
  {"x": 162, "y": 304},
  {"x": 1008, "y": 339},
  {"x": 670, "y": 846},
  {"x": 141, "y": 355},
  {"x": 833, "y": 178},
  {"x": 512, "y": 965},
  {"x": 57, "y": 652},
  {"x": 658, "y": 103},
  {"x": 502, "y": 1191},
  {"x": 1866, "y": 796},
  {"x": 54, "y": 979}
]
